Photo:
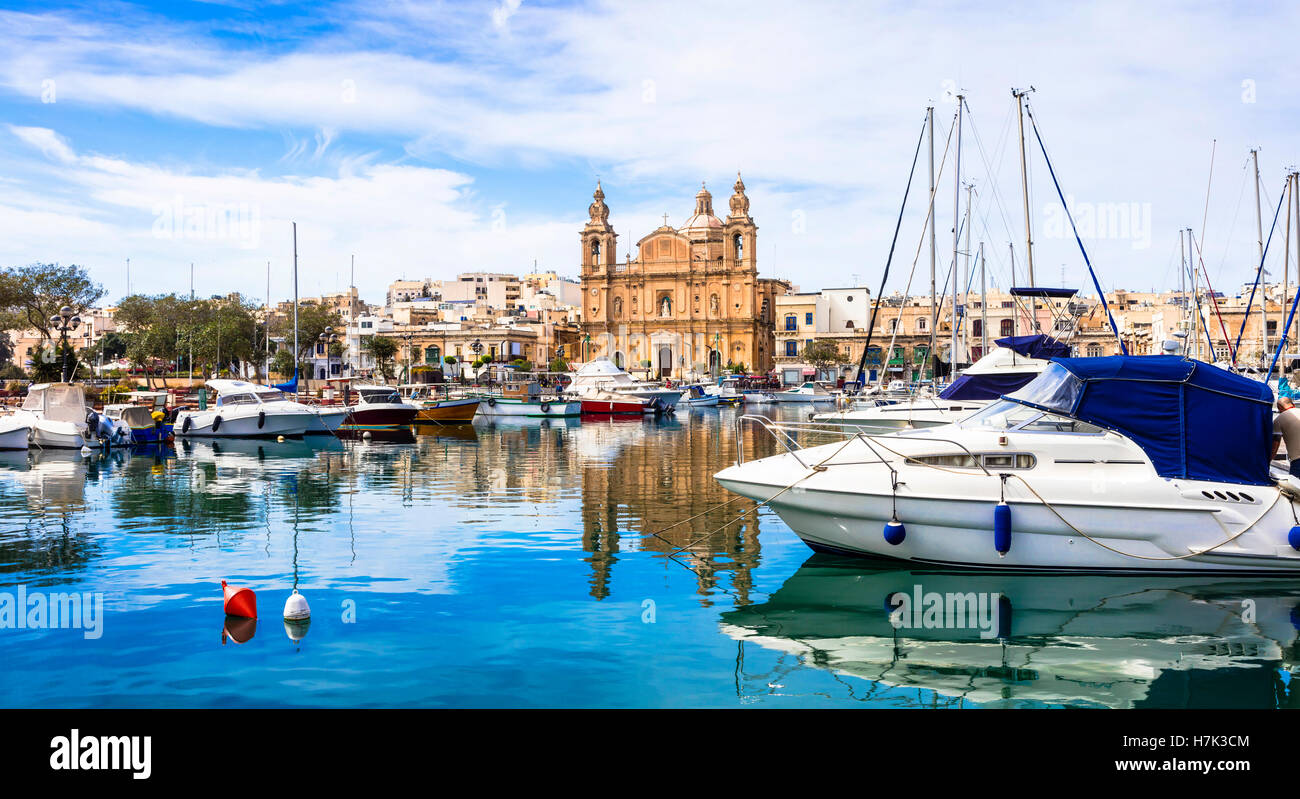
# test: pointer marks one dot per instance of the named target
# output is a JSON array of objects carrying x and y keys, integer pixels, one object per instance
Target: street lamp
[
  {"x": 328, "y": 337},
  {"x": 64, "y": 321},
  {"x": 476, "y": 348}
]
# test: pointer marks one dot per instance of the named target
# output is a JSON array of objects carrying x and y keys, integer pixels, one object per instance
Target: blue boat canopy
[
  {"x": 291, "y": 387},
  {"x": 1035, "y": 291},
  {"x": 1193, "y": 420},
  {"x": 989, "y": 385},
  {"x": 1038, "y": 346}
]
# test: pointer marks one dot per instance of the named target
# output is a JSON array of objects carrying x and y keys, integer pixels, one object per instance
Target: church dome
[{"x": 703, "y": 218}]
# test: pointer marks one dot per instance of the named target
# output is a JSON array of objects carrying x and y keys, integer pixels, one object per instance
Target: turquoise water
[{"x": 513, "y": 565}]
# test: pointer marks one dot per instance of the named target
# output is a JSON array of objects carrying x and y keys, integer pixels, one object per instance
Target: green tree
[
  {"x": 383, "y": 350},
  {"x": 823, "y": 354},
  {"x": 559, "y": 365},
  {"x": 313, "y": 318},
  {"x": 30, "y": 295}
]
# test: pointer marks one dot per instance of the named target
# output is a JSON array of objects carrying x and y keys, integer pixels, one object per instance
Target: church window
[
  {"x": 595, "y": 252},
  {"x": 738, "y": 245}
]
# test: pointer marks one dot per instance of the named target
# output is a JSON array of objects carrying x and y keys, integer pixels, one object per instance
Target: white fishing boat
[
  {"x": 1122, "y": 463},
  {"x": 15, "y": 433},
  {"x": 60, "y": 418},
  {"x": 1010, "y": 365},
  {"x": 695, "y": 396},
  {"x": 601, "y": 374},
  {"x": 526, "y": 400},
  {"x": 380, "y": 408},
  {"x": 246, "y": 410},
  {"x": 807, "y": 393}
]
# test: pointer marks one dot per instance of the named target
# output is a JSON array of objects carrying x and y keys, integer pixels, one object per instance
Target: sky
[{"x": 429, "y": 139}]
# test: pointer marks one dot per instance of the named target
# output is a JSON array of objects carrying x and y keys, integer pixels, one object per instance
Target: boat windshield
[
  {"x": 1056, "y": 389},
  {"x": 271, "y": 396},
  {"x": 1007, "y": 415},
  {"x": 378, "y": 396},
  {"x": 236, "y": 399}
]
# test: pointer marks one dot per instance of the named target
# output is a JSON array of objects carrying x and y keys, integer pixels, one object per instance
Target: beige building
[{"x": 690, "y": 302}]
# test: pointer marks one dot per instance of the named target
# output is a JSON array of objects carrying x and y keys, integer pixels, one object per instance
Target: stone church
[{"x": 691, "y": 301}]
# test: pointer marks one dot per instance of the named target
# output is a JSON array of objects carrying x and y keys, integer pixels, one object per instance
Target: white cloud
[{"x": 818, "y": 103}]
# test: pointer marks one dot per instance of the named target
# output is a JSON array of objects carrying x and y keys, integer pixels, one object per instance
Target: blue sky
[{"x": 428, "y": 139}]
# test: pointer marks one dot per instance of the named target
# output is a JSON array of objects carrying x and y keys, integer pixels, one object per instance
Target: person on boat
[{"x": 1286, "y": 427}]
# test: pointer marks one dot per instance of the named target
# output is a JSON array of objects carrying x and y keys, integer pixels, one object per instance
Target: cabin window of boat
[
  {"x": 380, "y": 396},
  {"x": 271, "y": 396},
  {"x": 237, "y": 399}
]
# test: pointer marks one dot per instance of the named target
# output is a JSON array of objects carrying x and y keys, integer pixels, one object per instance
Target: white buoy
[
  {"x": 295, "y": 607},
  {"x": 279, "y": 439},
  {"x": 365, "y": 436},
  {"x": 85, "y": 451}
]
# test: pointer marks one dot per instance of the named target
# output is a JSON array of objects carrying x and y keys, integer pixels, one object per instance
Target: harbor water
[{"x": 560, "y": 563}]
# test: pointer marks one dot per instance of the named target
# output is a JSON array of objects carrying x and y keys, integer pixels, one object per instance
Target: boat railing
[{"x": 783, "y": 433}]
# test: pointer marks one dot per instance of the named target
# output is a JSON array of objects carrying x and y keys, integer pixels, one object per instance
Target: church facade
[{"x": 690, "y": 302}]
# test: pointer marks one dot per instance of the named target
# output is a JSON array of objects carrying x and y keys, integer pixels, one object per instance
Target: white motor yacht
[
  {"x": 1123, "y": 463},
  {"x": 602, "y": 375},
  {"x": 246, "y": 410},
  {"x": 807, "y": 393}
]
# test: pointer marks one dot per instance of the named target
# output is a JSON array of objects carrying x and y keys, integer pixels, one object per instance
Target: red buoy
[{"x": 239, "y": 601}]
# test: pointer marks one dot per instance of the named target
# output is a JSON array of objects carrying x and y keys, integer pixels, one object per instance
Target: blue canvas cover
[
  {"x": 990, "y": 386},
  {"x": 1193, "y": 420},
  {"x": 985, "y": 387},
  {"x": 1035, "y": 346},
  {"x": 291, "y": 387}
]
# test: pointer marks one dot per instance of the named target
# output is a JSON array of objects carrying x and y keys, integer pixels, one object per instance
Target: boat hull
[
  {"x": 153, "y": 434},
  {"x": 327, "y": 420},
  {"x": 14, "y": 435},
  {"x": 954, "y": 528},
  {"x": 458, "y": 411},
  {"x": 615, "y": 407},
  {"x": 201, "y": 424},
  {"x": 382, "y": 417},
  {"x": 497, "y": 406}
]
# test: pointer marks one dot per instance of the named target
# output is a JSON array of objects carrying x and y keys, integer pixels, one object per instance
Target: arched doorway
[
  {"x": 715, "y": 362},
  {"x": 665, "y": 361}
]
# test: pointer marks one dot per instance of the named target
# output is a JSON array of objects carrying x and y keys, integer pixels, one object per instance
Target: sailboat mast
[
  {"x": 267, "y": 320},
  {"x": 1259, "y": 231},
  {"x": 1295, "y": 199},
  {"x": 965, "y": 283},
  {"x": 1019, "y": 94},
  {"x": 1182, "y": 284},
  {"x": 984, "y": 307},
  {"x": 1286, "y": 277},
  {"x": 295, "y": 311},
  {"x": 1015, "y": 313},
  {"x": 956, "y": 216},
  {"x": 934, "y": 308}
]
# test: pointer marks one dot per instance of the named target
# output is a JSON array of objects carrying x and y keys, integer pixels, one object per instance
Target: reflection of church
[{"x": 691, "y": 301}]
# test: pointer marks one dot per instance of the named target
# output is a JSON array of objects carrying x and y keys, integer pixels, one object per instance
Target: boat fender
[
  {"x": 185, "y": 425},
  {"x": 216, "y": 423},
  {"x": 1004, "y": 617},
  {"x": 1002, "y": 528},
  {"x": 895, "y": 532},
  {"x": 1293, "y": 537},
  {"x": 296, "y": 608},
  {"x": 261, "y": 419},
  {"x": 546, "y": 407},
  {"x": 492, "y": 402}
]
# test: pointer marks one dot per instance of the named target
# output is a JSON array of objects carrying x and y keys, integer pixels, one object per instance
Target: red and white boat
[{"x": 610, "y": 403}]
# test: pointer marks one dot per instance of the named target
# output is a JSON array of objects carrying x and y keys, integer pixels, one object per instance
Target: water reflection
[{"x": 1107, "y": 641}]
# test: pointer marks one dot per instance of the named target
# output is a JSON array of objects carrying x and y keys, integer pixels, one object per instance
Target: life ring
[
  {"x": 216, "y": 423},
  {"x": 261, "y": 419},
  {"x": 492, "y": 402},
  {"x": 546, "y": 407},
  {"x": 185, "y": 425}
]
